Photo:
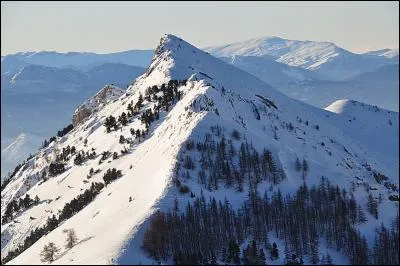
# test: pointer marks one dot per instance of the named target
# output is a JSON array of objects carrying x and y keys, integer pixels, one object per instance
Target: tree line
[{"x": 206, "y": 229}]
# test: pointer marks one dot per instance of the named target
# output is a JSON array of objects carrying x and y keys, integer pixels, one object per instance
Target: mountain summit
[{"x": 172, "y": 171}]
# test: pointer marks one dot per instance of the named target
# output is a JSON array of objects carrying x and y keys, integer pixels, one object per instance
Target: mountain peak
[
  {"x": 346, "y": 106},
  {"x": 168, "y": 42},
  {"x": 177, "y": 59}
]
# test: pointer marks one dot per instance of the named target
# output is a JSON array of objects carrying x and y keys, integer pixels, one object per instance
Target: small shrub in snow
[
  {"x": 236, "y": 134},
  {"x": 184, "y": 189},
  {"x": 111, "y": 175}
]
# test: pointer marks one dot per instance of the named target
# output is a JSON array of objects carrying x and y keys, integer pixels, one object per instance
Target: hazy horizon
[
  {"x": 144, "y": 49},
  {"x": 107, "y": 27}
]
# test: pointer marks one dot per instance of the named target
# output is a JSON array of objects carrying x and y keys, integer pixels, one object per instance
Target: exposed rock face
[{"x": 92, "y": 105}]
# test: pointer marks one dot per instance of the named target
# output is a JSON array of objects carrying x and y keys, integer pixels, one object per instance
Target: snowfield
[{"x": 110, "y": 229}]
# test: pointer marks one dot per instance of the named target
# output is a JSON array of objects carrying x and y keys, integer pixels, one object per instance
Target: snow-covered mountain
[
  {"x": 191, "y": 112},
  {"x": 18, "y": 150},
  {"x": 40, "y": 99},
  {"x": 378, "y": 87},
  {"x": 40, "y": 79},
  {"x": 325, "y": 58},
  {"x": 10, "y": 65},
  {"x": 389, "y": 53}
]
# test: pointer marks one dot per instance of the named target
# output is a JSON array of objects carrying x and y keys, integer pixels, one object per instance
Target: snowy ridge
[
  {"x": 106, "y": 94},
  {"x": 216, "y": 93},
  {"x": 389, "y": 53},
  {"x": 323, "y": 57},
  {"x": 307, "y": 54}
]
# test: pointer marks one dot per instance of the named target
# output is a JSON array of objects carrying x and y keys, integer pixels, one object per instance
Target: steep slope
[
  {"x": 50, "y": 95},
  {"x": 206, "y": 95},
  {"x": 325, "y": 58},
  {"x": 377, "y": 121},
  {"x": 95, "y": 103}
]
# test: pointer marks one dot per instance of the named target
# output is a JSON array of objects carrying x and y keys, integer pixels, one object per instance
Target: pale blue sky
[{"x": 117, "y": 26}]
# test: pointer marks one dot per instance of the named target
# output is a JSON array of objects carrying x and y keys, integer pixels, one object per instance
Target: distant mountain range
[
  {"x": 325, "y": 58},
  {"x": 378, "y": 87},
  {"x": 389, "y": 53},
  {"x": 84, "y": 60},
  {"x": 44, "y": 79}
]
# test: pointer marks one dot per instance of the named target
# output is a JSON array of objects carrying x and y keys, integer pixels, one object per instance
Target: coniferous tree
[
  {"x": 314, "y": 250},
  {"x": 305, "y": 168},
  {"x": 72, "y": 239},
  {"x": 372, "y": 206},
  {"x": 261, "y": 257},
  {"x": 49, "y": 252},
  {"x": 328, "y": 259},
  {"x": 79, "y": 158},
  {"x": 274, "y": 251},
  {"x": 111, "y": 175},
  {"x": 36, "y": 200},
  {"x": 360, "y": 215},
  {"x": 298, "y": 165},
  {"x": 56, "y": 168},
  {"x": 138, "y": 134},
  {"x": 130, "y": 109},
  {"x": 27, "y": 201},
  {"x": 123, "y": 119},
  {"x": 110, "y": 123}
]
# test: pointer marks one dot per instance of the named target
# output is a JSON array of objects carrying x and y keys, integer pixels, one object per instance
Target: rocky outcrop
[{"x": 92, "y": 105}]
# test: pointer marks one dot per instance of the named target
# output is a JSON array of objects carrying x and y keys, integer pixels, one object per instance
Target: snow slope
[
  {"x": 216, "y": 93},
  {"x": 325, "y": 58}
]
